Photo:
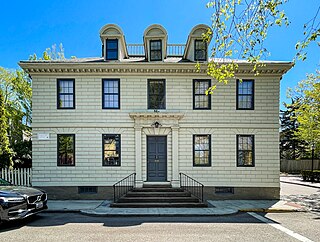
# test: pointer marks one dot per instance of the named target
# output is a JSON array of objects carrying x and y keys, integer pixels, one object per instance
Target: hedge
[{"x": 308, "y": 174}]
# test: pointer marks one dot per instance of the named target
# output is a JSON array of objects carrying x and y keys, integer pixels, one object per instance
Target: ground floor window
[
  {"x": 66, "y": 149},
  {"x": 245, "y": 150},
  {"x": 111, "y": 150},
  {"x": 202, "y": 150}
]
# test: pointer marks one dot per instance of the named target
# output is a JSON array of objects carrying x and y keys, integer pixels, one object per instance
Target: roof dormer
[
  {"x": 113, "y": 43},
  {"x": 197, "y": 49},
  {"x": 155, "y": 43}
]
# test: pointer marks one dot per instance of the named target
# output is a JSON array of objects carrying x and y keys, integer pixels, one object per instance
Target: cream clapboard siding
[{"x": 89, "y": 121}]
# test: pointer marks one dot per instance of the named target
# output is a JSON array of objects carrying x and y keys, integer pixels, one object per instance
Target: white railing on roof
[{"x": 173, "y": 50}]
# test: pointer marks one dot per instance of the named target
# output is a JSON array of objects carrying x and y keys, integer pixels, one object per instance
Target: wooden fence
[
  {"x": 20, "y": 177},
  {"x": 295, "y": 166}
]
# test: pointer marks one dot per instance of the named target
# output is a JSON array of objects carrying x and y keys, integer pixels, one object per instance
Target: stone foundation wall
[{"x": 106, "y": 193}]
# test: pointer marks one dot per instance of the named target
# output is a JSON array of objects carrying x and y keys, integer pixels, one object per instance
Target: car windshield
[{"x": 4, "y": 182}]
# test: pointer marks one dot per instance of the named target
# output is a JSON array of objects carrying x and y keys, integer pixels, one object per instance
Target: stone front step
[
  {"x": 158, "y": 205},
  {"x": 157, "y": 186},
  {"x": 161, "y": 189},
  {"x": 158, "y": 200},
  {"x": 158, "y": 194}
]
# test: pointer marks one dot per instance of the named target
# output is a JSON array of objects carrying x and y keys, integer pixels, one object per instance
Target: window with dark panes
[
  {"x": 202, "y": 150},
  {"x": 111, "y": 93},
  {"x": 111, "y": 49},
  {"x": 200, "y": 50},
  {"x": 245, "y": 94},
  {"x": 156, "y": 94},
  {"x": 155, "y": 50},
  {"x": 200, "y": 99},
  {"x": 65, "y": 94},
  {"x": 66, "y": 149},
  {"x": 245, "y": 150},
  {"x": 111, "y": 150}
]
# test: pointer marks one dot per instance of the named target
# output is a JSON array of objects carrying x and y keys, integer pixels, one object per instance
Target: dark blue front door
[{"x": 157, "y": 158}]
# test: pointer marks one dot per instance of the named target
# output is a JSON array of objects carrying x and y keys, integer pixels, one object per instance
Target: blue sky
[{"x": 29, "y": 27}]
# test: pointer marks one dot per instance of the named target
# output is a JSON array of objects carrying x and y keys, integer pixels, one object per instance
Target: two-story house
[{"x": 142, "y": 109}]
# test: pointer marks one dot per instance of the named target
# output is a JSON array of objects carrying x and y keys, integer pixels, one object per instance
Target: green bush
[{"x": 307, "y": 175}]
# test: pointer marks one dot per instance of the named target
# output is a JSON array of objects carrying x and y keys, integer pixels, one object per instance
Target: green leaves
[
  {"x": 15, "y": 86},
  {"x": 308, "y": 111},
  {"x": 5, "y": 151},
  {"x": 239, "y": 29}
]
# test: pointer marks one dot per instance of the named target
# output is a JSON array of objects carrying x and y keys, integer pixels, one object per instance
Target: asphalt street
[
  {"x": 298, "y": 226},
  {"x": 239, "y": 227}
]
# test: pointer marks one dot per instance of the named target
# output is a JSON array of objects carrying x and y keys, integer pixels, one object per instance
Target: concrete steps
[
  {"x": 158, "y": 205},
  {"x": 157, "y": 196}
]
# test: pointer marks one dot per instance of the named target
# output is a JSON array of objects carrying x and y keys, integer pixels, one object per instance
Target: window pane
[
  {"x": 155, "y": 55},
  {"x": 200, "y": 45},
  {"x": 201, "y": 150},
  {"x": 65, "y": 93},
  {"x": 112, "y": 54},
  {"x": 155, "y": 45},
  {"x": 200, "y": 55},
  {"x": 201, "y": 100},
  {"x": 112, "y": 44},
  {"x": 200, "y": 50},
  {"x": 111, "y": 154},
  {"x": 156, "y": 95},
  {"x": 112, "y": 49},
  {"x": 245, "y": 94},
  {"x": 65, "y": 149},
  {"x": 111, "y": 94},
  {"x": 245, "y": 150}
]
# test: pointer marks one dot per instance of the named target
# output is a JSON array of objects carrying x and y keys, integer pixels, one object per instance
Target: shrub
[{"x": 307, "y": 175}]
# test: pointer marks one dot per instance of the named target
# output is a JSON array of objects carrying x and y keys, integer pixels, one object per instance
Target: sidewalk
[
  {"x": 297, "y": 179},
  {"x": 216, "y": 208}
]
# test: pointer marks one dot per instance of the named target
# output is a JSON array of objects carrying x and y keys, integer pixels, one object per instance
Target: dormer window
[
  {"x": 111, "y": 49},
  {"x": 196, "y": 49},
  {"x": 200, "y": 50},
  {"x": 155, "y": 50}
]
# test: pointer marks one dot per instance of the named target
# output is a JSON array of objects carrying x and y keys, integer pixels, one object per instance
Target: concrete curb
[
  {"x": 271, "y": 210},
  {"x": 62, "y": 211},
  {"x": 105, "y": 214},
  {"x": 306, "y": 185}
]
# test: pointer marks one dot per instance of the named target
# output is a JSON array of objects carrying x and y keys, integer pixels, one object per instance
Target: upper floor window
[
  {"x": 111, "y": 49},
  {"x": 111, "y": 93},
  {"x": 111, "y": 150},
  {"x": 156, "y": 94},
  {"x": 65, "y": 94},
  {"x": 200, "y": 99},
  {"x": 202, "y": 150},
  {"x": 66, "y": 149},
  {"x": 155, "y": 50},
  {"x": 245, "y": 94},
  {"x": 200, "y": 50},
  {"x": 245, "y": 150}
]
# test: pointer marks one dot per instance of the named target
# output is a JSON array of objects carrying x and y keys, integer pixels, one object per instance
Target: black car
[{"x": 17, "y": 202}]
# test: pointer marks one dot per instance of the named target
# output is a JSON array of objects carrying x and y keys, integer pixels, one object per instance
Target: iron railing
[
  {"x": 191, "y": 185},
  {"x": 123, "y": 186},
  {"x": 173, "y": 50}
]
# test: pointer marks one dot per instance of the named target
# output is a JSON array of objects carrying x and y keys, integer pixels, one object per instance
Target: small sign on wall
[{"x": 43, "y": 137}]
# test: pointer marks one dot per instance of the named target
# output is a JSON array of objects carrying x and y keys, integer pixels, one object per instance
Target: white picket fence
[{"x": 20, "y": 177}]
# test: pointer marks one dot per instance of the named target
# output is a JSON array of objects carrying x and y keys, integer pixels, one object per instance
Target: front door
[{"x": 157, "y": 158}]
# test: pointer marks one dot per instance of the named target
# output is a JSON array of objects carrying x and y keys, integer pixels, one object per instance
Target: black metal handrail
[
  {"x": 189, "y": 184},
  {"x": 123, "y": 186}
]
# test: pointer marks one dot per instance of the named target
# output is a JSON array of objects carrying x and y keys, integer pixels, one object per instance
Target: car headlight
[{"x": 12, "y": 199}]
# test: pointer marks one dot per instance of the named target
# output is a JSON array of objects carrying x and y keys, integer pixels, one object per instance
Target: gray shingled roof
[{"x": 140, "y": 59}]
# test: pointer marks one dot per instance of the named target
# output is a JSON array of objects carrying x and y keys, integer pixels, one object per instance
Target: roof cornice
[{"x": 50, "y": 68}]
